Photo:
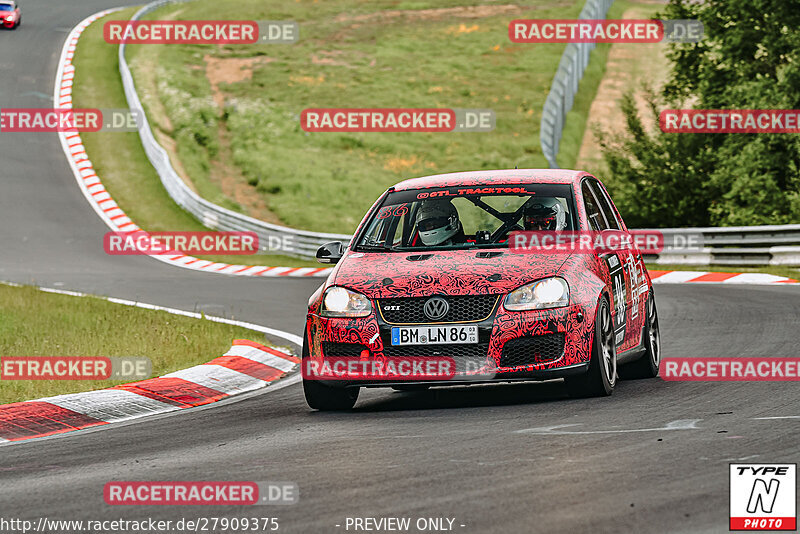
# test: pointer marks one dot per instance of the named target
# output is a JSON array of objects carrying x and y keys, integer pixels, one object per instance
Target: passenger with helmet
[
  {"x": 438, "y": 223},
  {"x": 545, "y": 214}
]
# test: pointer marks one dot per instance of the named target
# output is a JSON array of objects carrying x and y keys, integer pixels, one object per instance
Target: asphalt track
[{"x": 651, "y": 458}]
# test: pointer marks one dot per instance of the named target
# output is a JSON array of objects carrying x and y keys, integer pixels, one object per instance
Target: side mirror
[{"x": 330, "y": 252}]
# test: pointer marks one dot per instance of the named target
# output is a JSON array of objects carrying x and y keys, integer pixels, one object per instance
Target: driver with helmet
[
  {"x": 545, "y": 214},
  {"x": 438, "y": 223}
]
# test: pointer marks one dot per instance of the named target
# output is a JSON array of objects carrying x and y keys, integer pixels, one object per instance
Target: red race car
[
  {"x": 10, "y": 14},
  {"x": 435, "y": 289}
]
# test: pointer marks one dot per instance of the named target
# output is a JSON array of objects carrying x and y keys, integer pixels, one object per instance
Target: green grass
[
  {"x": 36, "y": 323},
  {"x": 789, "y": 272},
  {"x": 326, "y": 181},
  {"x": 119, "y": 158}
]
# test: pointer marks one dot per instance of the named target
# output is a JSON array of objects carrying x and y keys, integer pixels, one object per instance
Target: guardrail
[
  {"x": 743, "y": 245},
  {"x": 733, "y": 245},
  {"x": 286, "y": 240},
  {"x": 565, "y": 85}
]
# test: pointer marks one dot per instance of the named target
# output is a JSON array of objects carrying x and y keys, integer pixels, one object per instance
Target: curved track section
[
  {"x": 652, "y": 457},
  {"x": 500, "y": 458},
  {"x": 49, "y": 234}
]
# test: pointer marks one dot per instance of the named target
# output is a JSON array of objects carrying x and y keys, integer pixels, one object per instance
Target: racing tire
[
  {"x": 329, "y": 399},
  {"x": 647, "y": 365},
  {"x": 600, "y": 379},
  {"x": 326, "y": 398}
]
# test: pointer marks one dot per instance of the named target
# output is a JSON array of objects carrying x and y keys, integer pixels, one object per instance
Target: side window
[
  {"x": 605, "y": 205},
  {"x": 596, "y": 220}
]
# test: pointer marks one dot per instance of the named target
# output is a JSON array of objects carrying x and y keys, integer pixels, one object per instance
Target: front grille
[
  {"x": 463, "y": 309},
  {"x": 342, "y": 350},
  {"x": 532, "y": 349},
  {"x": 474, "y": 354}
]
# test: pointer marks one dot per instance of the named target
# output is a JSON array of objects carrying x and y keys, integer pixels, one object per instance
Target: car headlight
[
  {"x": 341, "y": 302},
  {"x": 548, "y": 293},
  {"x": 9, "y": 19}
]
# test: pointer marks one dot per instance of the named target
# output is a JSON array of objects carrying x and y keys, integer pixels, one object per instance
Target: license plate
[{"x": 434, "y": 335}]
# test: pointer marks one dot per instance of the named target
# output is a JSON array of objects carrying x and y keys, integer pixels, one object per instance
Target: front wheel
[
  {"x": 600, "y": 379},
  {"x": 647, "y": 365},
  {"x": 325, "y": 398}
]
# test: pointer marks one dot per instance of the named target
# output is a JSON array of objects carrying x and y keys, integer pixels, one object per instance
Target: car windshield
[
  {"x": 6, "y": 7},
  {"x": 464, "y": 217}
]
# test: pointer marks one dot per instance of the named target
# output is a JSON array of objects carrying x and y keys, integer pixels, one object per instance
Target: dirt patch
[
  {"x": 229, "y": 70},
  {"x": 234, "y": 185},
  {"x": 627, "y": 67},
  {"x": 147, "y": 87},
  {"x": 223, "y": 172}
]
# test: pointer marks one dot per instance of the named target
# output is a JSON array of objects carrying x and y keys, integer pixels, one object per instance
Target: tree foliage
[{"x": 748, "y": 59}]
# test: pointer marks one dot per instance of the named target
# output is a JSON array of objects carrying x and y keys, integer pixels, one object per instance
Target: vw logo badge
[{"x": 436, "y": 308}]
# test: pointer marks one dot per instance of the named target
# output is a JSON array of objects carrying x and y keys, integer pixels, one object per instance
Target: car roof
[{"x": 498, "y": 177}]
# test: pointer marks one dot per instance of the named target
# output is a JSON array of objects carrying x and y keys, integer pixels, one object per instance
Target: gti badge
[{"x": 436, "y": 308}]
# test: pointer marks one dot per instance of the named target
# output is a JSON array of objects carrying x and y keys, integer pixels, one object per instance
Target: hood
[{"x": 451, "y": 272}]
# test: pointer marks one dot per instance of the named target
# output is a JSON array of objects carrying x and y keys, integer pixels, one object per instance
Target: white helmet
[
  {"x": 545, "y": 214},
  {"x": 437, "y": 221}
]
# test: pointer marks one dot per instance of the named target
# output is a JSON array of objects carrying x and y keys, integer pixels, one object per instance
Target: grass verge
[
  {"x": 232, "y": 112},
  {"x": 36, "y": 323}
]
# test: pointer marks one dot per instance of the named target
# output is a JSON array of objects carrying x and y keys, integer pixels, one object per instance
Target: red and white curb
[
  {"x": 247, "y": 366},
  {"x": 700, "y": 277},
  {"x": 101, "y": 200}
]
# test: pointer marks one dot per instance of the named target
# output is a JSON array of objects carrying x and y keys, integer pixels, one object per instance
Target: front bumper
[{"x": 507, "y": 344}]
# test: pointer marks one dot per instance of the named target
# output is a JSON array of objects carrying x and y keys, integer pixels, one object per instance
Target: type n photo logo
[{"x": 763, "y": 497}]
